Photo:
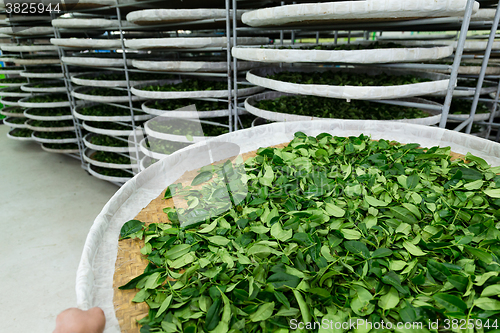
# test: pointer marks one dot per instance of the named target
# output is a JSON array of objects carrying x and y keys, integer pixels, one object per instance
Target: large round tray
[
  {"x": 23, "y": 102},
  {"x": 60, "y": 151},
  {"x": 41, "y": 140},
  {"x": 159, "y": 16},
  {"x": 79, "y": 93},
  {"x": 387, "y": 55},
  {"x": 87, "y": 43},
  {"x": 95, "y": 61},
  {"x": 46, "y": 118},
  {"x": 189, "y": 42},
  {"x": 13, "y": 94},
  {"x": 440, "y": 83},
  {"x": 28, "y": 87},
  {"x": 28, "y": 48},
  {"x": 191, "y": 66},
  {"x": 277, "y": 116},
  {"x": 185, "y": 114},
  {"x": 10, "y": 136},
  {"x": 83, "y": 80},
  {"x": 108, "y": 178},
  {"x": 11, "y": 70},
  {"x": 107, "y": 118},
  {"x": 354, "y": 11},
  {"x": 106, "y": 131},
  {"x": 189, "y": 94},
  {"x": 94, "y": 286},
  {"x": 48, "y": 129},
  {"x": 6, "y": 122},
  {"x": 5, "y": 112},
  {"x": 150, "y": 153},
  {"x": 88, "y": 144},
  {"x": 88, "y": 152}
]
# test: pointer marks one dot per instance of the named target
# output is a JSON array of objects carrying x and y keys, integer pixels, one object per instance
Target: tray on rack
[
  {"x": 102, "y": 79},
  {"x": 343, "y": 53},
  {"x": 29, "y": 103},
  {"x": 137, "y": 90},
  {"x": 121, "y": 96},
  {"x": 354, "y": 12},
  {"x": 28, "y": 48},
  {"x": 10, "y": 69},
  {"x": 14, "y": 92},
  {"x": 110, "y": 109},
  {"x": 181, "y": 108},
  {"x": 110, "y": 175},
  {"x": 191, "y": 66},
  {"x": 67, "y": 125},
  {"x": 13, "y": 134},
  {"x": 46, "y": 114},
  {"x": 38, "y": 61},
  {"x": 28, "y": 31},
  {"x": 38, "y": 137},
  {"x": 13, "y": 82},
  {"x": 88, "y": 23},
  {"x": 97, "y": 61},
  {"x": 15, "y": 122},
  {"x": 438, "y": 83},
  {"x": 162, "y": 16},
  {"x": 87, "y": 43},
  {"x": 160, "y": 148},
  {"x": 10, "y": 101},
  {"x": 189, "y": 42},
  {"x": 52, "y": 86},
  {"x": 61, "y": 148},
  {"x": 433, "y": 116},
  {"x": 8, "y": 111},
  {"x": 106, "y": 128},
  {"x": 116, "y": 148},
  {"x": 178, "y": 129},
  {"x": 88, "y": 157}
]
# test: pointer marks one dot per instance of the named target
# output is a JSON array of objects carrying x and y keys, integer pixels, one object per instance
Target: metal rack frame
[{"x": 428, "y": 24}]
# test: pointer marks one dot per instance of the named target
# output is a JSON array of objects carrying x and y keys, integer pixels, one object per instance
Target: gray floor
[{"x": 47, "y": 205}]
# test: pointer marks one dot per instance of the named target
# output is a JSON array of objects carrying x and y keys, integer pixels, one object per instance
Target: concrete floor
[{"x": 47, "y": 205}]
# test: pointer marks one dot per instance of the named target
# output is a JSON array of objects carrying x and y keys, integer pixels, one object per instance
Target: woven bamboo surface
[{"x": 131, "y": 263}]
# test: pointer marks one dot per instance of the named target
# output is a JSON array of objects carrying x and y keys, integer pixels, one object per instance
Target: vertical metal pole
[
  {"x": 492, "y": 115},
  {"x": 228, "y": 59},
  {"x": 281, "y": 31},
  {"x": 130, "y": 104},
  {"x": 456, "y": 63},
  {"x": 71, "y": 99},
  {"x": 317, "y": 37},
  {"x": 349, "y": 37},
  {"x": 336, "y": 37},
  {"x": 484, "y": 65},
  {"x": 235, "y": 67}
]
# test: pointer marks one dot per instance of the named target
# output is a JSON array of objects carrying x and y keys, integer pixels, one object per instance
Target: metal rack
[
  {"x": 430, "y": 24},
  {"x": 122, "y": 32}
]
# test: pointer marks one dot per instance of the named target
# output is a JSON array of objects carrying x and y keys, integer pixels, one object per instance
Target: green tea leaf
[
  {"x": 450, "y": 303},
  {"x": 264, "y": 312},
  {"x": 130, "y": 228}
]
